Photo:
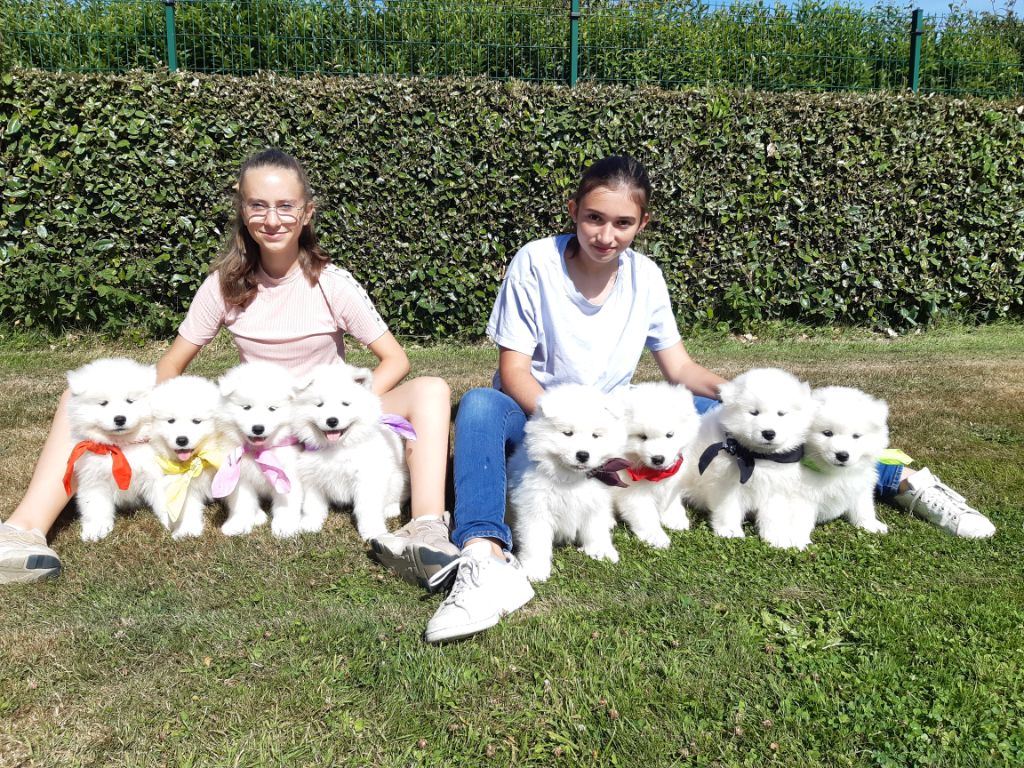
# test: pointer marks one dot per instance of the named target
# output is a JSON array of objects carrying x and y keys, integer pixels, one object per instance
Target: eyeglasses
[{"x": 287, "y": 213}]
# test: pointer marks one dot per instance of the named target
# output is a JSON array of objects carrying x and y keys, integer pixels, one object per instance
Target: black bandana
[{"x": 745, "y": 457}]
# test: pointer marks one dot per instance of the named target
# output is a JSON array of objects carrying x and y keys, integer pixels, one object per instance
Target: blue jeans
[{"x": 488, "y": 427}]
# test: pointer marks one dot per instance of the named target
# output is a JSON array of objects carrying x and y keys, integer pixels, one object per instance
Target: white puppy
[
  {"x": 187, "y": 450},
  {"x": 557, "y": 480},
  {"x": 263, "y": 453},
  {"x": 350, "y": 456},
  {"x": 746, "y": 458},
  {"x": 848, "y": 434},
  {"x": 662, "y": 422},
  {"x": 112, "y": 460}
]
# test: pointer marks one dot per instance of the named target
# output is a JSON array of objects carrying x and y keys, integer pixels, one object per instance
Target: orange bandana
[{"x": 121, "y": 469}]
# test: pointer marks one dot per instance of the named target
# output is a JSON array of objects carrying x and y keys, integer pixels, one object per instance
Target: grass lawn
[{"x": 901, "y": 650}]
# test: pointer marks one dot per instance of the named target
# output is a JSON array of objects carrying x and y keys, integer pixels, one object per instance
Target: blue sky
[{"x": 942, "y": 6}]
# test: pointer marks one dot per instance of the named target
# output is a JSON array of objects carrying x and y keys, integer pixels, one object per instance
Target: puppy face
[
  {"x": 257, "y": 402},
  {"x": 575, "y": 427},
  {"x": 767, "y": 410},
  {"x": 184, "y": 415},
  {"x": 661, "y": 420},
  {"x": 334, "y": 400},
  {"x": 849, "y": 427},
  {"x": 110, "y": 400}
]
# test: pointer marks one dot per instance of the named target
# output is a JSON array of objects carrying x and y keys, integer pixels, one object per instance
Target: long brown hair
[{"x": 237, "y": 264}]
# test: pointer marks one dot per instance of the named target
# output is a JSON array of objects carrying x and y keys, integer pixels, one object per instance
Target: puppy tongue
[
  {"x": 257, "y": 440},
  {"x": 184, "y": 455},
  {"x": 333, "y": 436}
]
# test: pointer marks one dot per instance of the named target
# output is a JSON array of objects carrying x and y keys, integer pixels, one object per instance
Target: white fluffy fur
[
  {"x": 767, "y": 411},
  {"x": 573, "y": 430},
  {"x": 257, "y": 411},
  {"x": 662, "y": 422},
  {"x": 110, "y": 404},
  {"x": 357, "y": 460},
  {"x": 848, "y": 434},
  {"x": 185, "y": 412}
]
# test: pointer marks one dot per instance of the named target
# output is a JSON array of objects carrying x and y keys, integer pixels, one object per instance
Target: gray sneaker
[
  {"x": 25, "y": 557},
  {"x": 418, "y": 549},
  {"x": 934, "y": 501}
]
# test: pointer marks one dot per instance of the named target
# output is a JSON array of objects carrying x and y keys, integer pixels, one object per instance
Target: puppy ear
[
  {"x": 226, "y": 383},
  {"x": 880, "y": 410},
  {"x": 75, "y": 383},
  {"x": 726, "y": 391},
  {"x": 363, "y": 377}
]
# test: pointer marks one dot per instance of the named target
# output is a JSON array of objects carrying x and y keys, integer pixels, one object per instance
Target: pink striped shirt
[{"x": 289, "y": 321}]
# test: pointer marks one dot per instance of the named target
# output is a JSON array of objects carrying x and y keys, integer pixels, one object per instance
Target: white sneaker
[
  {"x": 25, "y": 557},
  {"x": 417, "y": 550},
  {"x": 485, "y": 589},
  {"x": 934, "y": 501}
]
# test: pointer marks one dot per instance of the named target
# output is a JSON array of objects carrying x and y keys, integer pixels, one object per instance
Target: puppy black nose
[
  {"x": 182, "y": 441},
  {"x": 582, "y": 456},
  {"x": 657, "y": 460},
  {"x": 257, "y": 429},
  {"x": 120, "y": 421},
  {"x": 332, "y": 422},
  {"x": 842, "y": 456},
  {"x": 768, "y": 434}
]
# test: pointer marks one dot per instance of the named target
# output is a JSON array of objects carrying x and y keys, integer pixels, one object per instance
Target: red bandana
[
  {"x": 654, "y": 475},
  {"x": 121, "y": 469}
]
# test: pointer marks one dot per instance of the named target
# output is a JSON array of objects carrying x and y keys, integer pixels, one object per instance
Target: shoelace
[
  {"x": 471, "y": 573},
  {"x": 947, "y": 501}
]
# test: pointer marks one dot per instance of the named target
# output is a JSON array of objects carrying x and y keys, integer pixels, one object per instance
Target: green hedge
[{"x": 873, "y": 210}]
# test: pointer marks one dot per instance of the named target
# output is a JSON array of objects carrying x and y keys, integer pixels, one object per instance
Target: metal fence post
[
  {"x": 172, "y": 44},
  {"x": 574, "y": 41},
  {"x": 916, "y": 32}
]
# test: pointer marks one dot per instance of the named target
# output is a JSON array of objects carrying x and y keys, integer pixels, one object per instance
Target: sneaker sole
[
  {"x": 414, "y": 564},
  {"x": 32, "y": 568},
  {"x": 463, "y": 631}
]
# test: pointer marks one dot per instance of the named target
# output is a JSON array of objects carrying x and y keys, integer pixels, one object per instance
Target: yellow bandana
[
  {"x": 895, "y": 456},
  {"x": 177, "y": 490}
]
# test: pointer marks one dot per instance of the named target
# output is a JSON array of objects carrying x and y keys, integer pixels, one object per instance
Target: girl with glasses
[{"x": 277, "y": 293}]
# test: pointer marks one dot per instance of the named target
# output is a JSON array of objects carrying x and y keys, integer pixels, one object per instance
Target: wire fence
[{"x": 671, "y": 43}]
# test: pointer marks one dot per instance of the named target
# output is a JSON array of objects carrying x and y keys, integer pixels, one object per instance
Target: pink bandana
[{"x": 226, "y": 479}]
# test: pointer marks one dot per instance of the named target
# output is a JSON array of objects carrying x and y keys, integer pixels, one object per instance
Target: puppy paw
[
  {"x": 601, "y": 552},
  {"x": 536, "y": 570},
  {"x": 657, "y": 538},
  {"x": 311, "y": 523},
  {"x": 240, "y": 524},
  {"x": 873, "y": 526},
  {"x": 258, "y": 519},
  {"x": 188, "y": 530},
  {"x": 285, "y": 526},
  {"x": 728, "y": 532},
  {"x": 786, "y": 540},
  {"x": 95, "y": 531},
  {"x": 675, "y": 519},
  {"x": 392, "y": 510}
]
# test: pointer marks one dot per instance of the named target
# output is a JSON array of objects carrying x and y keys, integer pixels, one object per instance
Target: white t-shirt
[
  {"x": 540, "y": 313},
  {"x": 289, "y": 321}
]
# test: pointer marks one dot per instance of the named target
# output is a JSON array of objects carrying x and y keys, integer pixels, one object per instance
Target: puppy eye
[
  {"x": 103, "y": 403},
  {"x": 271, "y": 408},
  {"x": 641, "y": 437},
  {"x": 827, "y": 433},
  {"x": 320, "y": 404},
  {"x": 856, "y": 437},
  {"x": 246, "y": 407},
  {"x": 596, "y": 435},
  {"x": 170, "y": 421},
  {"x": 197, "y": 421},
  {"x": 567, "y": 432},
  {"x": 346, "y": 403},
  {"x": 670, "y": 434},
  {"x": 755, "y": 413},
  {"x": 129, "y": 400},
  {"x": 782, "y": 413}
]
